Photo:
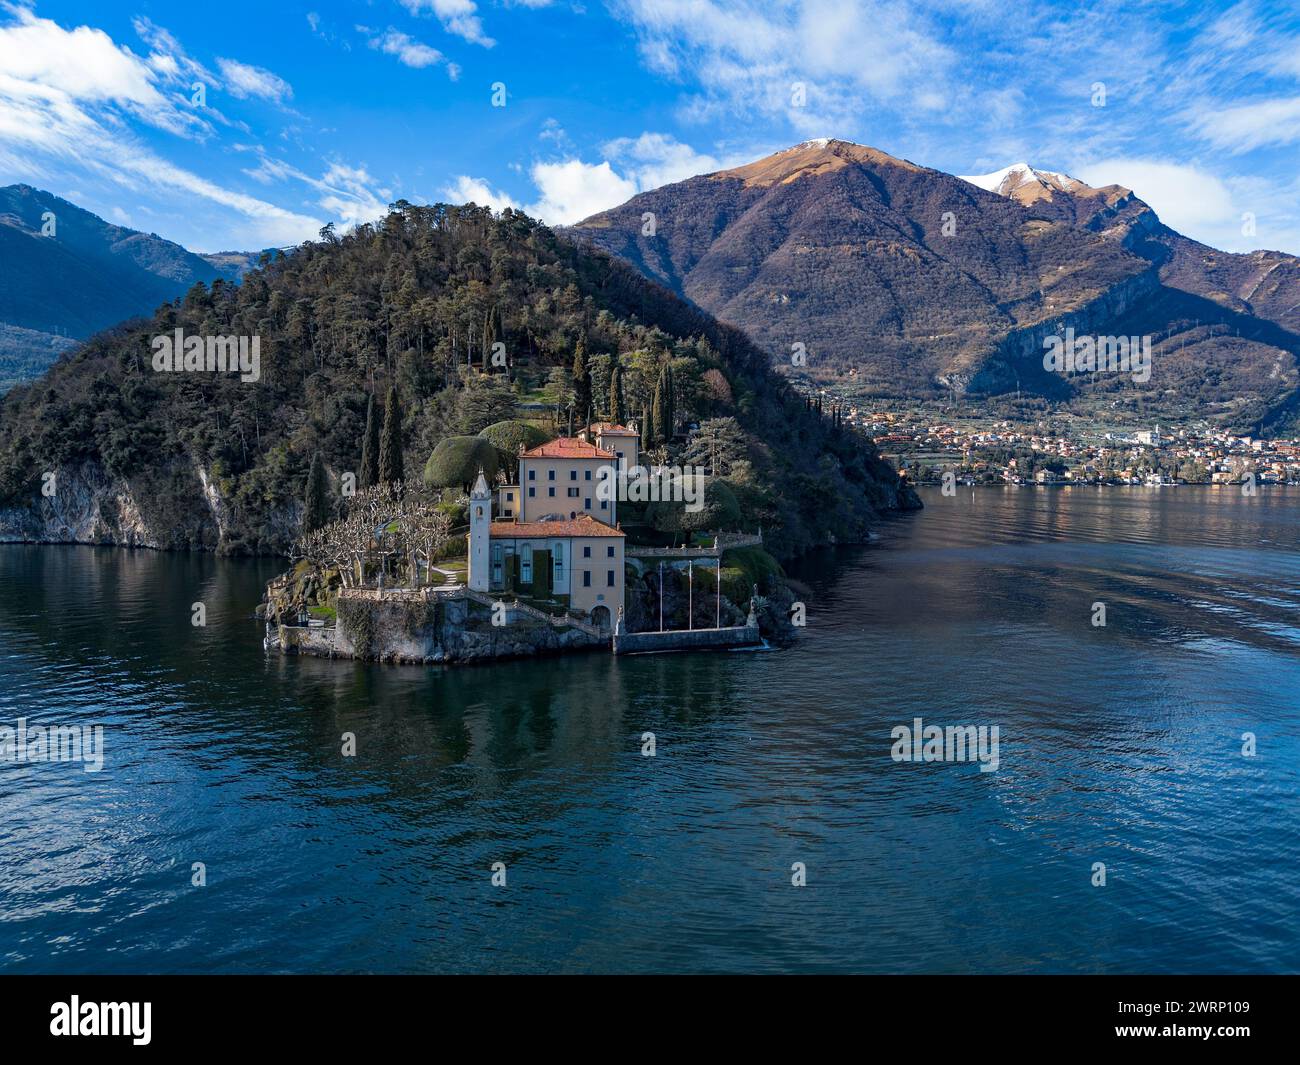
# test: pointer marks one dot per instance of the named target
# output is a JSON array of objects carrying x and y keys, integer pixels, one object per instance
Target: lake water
[{"x": 1119, "y": 744}]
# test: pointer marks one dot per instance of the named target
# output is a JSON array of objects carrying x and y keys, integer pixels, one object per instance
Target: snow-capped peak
[{"x": 1005, "y": 181}]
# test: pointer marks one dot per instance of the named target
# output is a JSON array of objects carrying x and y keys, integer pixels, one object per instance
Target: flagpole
[{"x": 690, "y": 583}]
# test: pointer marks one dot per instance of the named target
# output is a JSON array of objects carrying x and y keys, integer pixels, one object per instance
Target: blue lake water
[{"x": 1119, "y": 744}]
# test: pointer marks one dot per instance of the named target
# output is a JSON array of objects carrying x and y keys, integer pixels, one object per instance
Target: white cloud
[
  {"x": 466, "y": 189},
  {"x": 1185, "y": 197},
  {"x": 66, "y": 98},
  {"x": 243, "y": 80},
  {"x": 40, "y": 60},
  {"x": 655, "y": 159},
  {"x": 407, "y": 49},
  {"x": 168, "y": 57},
  {"x": 457, "y": 16},
  {"x": 568, "y": 191},
  {"x": 748, "y": 55},
  {"x": 350, "y": 194},
  {"x": 571, "y": 191},
  {"x": 1244, "y": 127},
  {"x": 1203, "y": 206}
]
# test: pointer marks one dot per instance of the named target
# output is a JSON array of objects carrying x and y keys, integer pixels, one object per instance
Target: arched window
[
  {"x": 558, "y": 555},
  {"x": 526, "y": 564}
]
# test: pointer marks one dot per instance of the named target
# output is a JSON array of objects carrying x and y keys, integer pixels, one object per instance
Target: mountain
[
  {"x": 1262, "y": 284},
  {"x": 1057, "y": 195},
  {"x": 909, "y": 283},
  {"x": 65, "y": 274},
  {"x": 417, "y": 302}
]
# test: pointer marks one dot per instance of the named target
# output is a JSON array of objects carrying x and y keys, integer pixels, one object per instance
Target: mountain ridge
[
  {"x": 66, "y": 273},
  {"x": 914, "y": 283}
]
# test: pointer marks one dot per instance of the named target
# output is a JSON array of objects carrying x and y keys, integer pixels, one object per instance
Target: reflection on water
[{"x": 1119, "y": 745}]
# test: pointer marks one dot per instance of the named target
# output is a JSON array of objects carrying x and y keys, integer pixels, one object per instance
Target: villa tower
[{"x": 480, "y": 531}]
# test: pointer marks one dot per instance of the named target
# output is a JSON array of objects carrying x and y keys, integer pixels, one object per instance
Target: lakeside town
[{"x": 1057, "y": 450}]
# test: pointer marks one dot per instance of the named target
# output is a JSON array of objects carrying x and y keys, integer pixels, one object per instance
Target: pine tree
[
  {"x": 581, "y": 380},
  {"x": 390, "y": 443},
  {"x": 316, "y": 505},
  {"x": 370, "y": 447},
  {"x": 616, "y": 395}
]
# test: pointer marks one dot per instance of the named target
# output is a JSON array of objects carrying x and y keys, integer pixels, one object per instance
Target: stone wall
[{"x": 432, "y": 628}]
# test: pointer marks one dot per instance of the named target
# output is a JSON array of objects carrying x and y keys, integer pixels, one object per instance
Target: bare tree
[{"x": 386, "y": 522}]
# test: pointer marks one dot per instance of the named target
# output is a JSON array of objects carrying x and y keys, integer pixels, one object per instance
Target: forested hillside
[{"x": 417, "y": 303}]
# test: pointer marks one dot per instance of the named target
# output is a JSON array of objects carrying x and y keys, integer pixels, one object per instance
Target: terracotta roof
[
  {"x": 567, "y": 447},
  {"x": 582, "y": 525},
  {"x": 610, "y": 429}
]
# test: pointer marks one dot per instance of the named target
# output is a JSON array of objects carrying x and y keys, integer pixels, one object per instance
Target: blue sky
[{"x": 320, "y": 112}]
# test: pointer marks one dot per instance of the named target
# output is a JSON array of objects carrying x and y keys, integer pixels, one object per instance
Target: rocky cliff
[{"x": 81, "y": 503}]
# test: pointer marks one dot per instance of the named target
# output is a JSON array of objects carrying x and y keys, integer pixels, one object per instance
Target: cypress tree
[
  {"x": 657, "y": 413},
  {"x": 647, "y": 430},
  {"x": 370, "y": 447},
  {"x": 616, "y": 394},
  {"x": 316, "y": 505},
  {"x": 669, "y": 424},
  {"x": 581, "y": 380},
  {"x": 390, "y": 442}
]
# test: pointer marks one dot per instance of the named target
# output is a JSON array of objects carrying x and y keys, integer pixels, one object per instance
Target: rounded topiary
[
  {"x": 455, "y": 462},
  {"x": 508, "y": 436}
]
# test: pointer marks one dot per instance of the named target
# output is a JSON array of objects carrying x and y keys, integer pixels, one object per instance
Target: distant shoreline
[{"x": 1098, "y": 484}]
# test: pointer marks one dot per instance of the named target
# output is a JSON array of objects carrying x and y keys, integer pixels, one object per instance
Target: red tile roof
[
  {"x": 610, "y": 429},
  {"x": 582, "y": 525},
  {"x": 567, "y": 447}
]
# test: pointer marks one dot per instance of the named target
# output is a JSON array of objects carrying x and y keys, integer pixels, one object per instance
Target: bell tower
[{"x": 480, "y": 533}]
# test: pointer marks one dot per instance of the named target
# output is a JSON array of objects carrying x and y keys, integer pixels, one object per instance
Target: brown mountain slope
[
  {"x": 843, "y": 249},
  {"x": 1265, "y": 284},
  {"x": 918, "y": 283}
]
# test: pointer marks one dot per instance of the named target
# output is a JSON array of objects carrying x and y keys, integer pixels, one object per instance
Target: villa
[{"x": 554, "y": 537}]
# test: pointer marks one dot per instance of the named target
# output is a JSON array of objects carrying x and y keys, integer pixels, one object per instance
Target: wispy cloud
[
  {"x": 808, "y": 62},
  {"x": 408, "y": 51},
  {"x": 73, "y": 98},
  {"x": 457, "y": 16},
  {"x": 243, "y": 80}
]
